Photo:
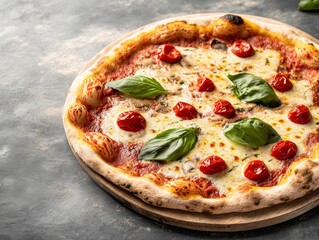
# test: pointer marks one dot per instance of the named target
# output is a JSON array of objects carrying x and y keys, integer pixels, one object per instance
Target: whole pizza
[{"x": 210, "y": 113}]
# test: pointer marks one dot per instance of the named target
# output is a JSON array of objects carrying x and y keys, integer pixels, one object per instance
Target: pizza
[{"x": 207, "y": 113}]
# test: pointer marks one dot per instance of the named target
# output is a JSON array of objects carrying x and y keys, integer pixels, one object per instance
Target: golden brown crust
[{"x": 86, "y": 92}]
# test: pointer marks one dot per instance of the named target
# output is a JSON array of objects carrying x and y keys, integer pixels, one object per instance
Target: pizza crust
[{"x": 303, "y": 176}]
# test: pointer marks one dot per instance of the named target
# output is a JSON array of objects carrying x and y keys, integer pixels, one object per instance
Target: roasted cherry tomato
[
  {"x": 300, "y": 114},
  {"x": 168, "y": 53},
  {"x": 242, "y": 48},
  {"x": 281, "y": 83},
  {"x": 185, "y": 111},
  {"x": 224, "y": 108},
  {"x": 205, "y": 85},
  {"x": 131, "y": 121},
  {"x": 256, "y": 170},
  {"x": 284, "y": 150},
  {"x": 212, "y": 164}
]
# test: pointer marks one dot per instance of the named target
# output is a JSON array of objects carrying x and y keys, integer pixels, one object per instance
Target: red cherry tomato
[
  {"x": 256, "y": 170},
  {"x": 281, "y": 83},
  {"x": 131, "y": 121},
  {"x": 168, "y": 53},
  {"x": 205, "y": 85},
  {"x": 224, "y": 108},
  {"x": 300, "y": 114},
  {"x": 212, "y": 164},
  {"x": 185, "y": 111},
  {"x": 242, "y": 48},
  {"x": 284, "y": 150}
]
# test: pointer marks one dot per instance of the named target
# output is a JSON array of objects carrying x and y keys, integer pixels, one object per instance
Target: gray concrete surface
[{"x": 44, "y": 193}]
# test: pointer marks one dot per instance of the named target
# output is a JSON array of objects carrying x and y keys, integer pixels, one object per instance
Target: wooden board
[{"x": 199, "y": 221}]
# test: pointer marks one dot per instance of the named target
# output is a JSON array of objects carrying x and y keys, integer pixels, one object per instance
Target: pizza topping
[
  {"x": 256, "y": 170},
  {"x": 208, "y": 189},
  {"x": 169, "y": 145},
  {"x": 312, "y": 139},
  {"x": 300, "y": 114},
  {"x": 212, "y": 164},
  {"x": 242, "y": 48},
  {"x": 131, "y": 121},
  {"x": 281, "y": 83},
  {"x": 107, "y": 91},
  {"x": 284, "y": 150},
  {"x": 224, "y": 108},
  {"x": 138, "y": 87},
  {"x": 251, "y": 132},
  {"x": 218, "y": 45},
  {"x": 253, "y": 89},
  {"x": 205, "y": 85},
  {"x": 168, "y": 53},
  {"x": 185, "y": 111}
]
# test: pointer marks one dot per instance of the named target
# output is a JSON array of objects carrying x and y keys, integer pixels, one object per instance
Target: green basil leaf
[
  {"x": 138, "y": 86},
  {"x": 253, "y": 89},
  {"x": 309, "y": 5},
  {"x": 169, "y": 145},
  {"x": 251, "y": 132}
]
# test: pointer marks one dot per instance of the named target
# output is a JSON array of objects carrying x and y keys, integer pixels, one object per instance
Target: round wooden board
[{"x": 229, "y": 222}]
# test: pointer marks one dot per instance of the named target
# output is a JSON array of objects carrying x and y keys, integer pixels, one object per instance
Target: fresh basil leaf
[
  {"x": 251, "y": 132},
  {"x": 169, "y": 145},
  {"x": 253, "y": 89},
  {"x": 309, "y": 5},
  {"x": 138, "y": 86}
]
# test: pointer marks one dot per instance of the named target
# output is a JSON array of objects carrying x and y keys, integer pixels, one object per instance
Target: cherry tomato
[
  {"x": 185, "y": 111},
  {"x": 212, "y": 164},
  {"x": 224, "y": 108},
  {"x": 281, "y": 83},
  {"x": 168, "y": 53},
  {"x": 300, "y": 114},
  {"x": 242, "y": 48},
  {"x": 205, "y": 85},
  {"x": 131, "y": 121},
  {"x": 284, "y": 150},
  {"x": 256, "y": 170}
]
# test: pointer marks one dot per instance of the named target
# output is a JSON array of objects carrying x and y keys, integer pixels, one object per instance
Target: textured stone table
[{"x": 44, "y": 193}]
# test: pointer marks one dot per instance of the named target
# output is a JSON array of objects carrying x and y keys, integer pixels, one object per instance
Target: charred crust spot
[
  {"x": 212, "y": 207},
  {"x": 237, "y": 20},
  {"x": 194, "y": 203},
  {"x": 206, "y": 212},
  {"x": 159, "y": 203},
  {"x": 306, "y": 186},
  {"x": 127, "y": 185},
  {"x": 187, "y": 207},
  {"x": 284, "y": 199},
  {"x": 256, "y": 201}
]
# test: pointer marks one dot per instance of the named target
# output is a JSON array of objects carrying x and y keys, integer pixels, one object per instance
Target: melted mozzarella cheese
[{"x": 180, "y": 80}]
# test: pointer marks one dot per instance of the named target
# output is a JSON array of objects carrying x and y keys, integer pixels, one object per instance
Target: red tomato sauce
[
  {"x": 208, "y": 189},
  {"x": 127, "y": 159}
]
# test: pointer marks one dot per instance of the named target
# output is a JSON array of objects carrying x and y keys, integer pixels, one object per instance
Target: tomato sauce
[
  {"x": 208, "y": 189},
  {"x": 127, "y": 159}
]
